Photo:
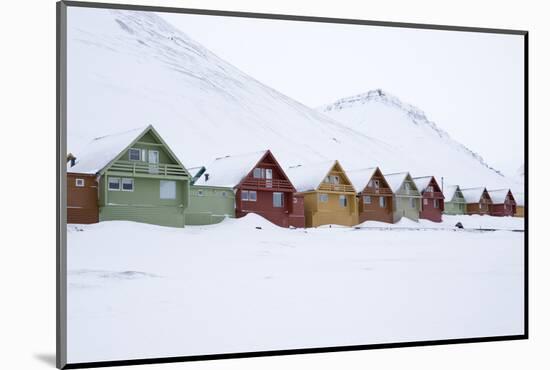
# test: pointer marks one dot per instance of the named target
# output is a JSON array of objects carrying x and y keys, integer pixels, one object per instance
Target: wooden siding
[
  {"x": 319, "y": 212},
  {"x": 265, "y": 189},
  {"x": 483, "y": 207},
  {"x": 520, "y": 211},
  {"x": 432, "y": 202},
  {"x": 82, "y": 207},
  {"x": 507, "y": 208},
  {"x": 373, "y": 211},
  {"x": 209, "y": 205}
]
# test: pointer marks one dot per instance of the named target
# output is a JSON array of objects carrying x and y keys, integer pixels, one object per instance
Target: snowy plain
[{"x": 143, "y": 291}]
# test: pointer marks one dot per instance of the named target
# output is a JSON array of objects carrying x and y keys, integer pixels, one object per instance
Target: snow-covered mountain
[
  {"x": 428, "y": 148},
  {"x": 128, "y": 69}
]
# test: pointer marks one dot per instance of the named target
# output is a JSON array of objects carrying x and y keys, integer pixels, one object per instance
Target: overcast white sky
[{"x": 470, "y": 84}]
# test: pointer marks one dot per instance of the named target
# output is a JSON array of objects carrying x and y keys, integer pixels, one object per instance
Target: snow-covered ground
[
  {"x": 138, "y": 291},
  {"x": 470, "y": 222}
]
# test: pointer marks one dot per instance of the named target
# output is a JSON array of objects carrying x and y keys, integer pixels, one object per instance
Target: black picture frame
[{"x": 61, "y": 217}]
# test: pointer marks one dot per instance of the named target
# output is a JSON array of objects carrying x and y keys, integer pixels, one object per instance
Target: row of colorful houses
[{"x": 135, "y": 176}]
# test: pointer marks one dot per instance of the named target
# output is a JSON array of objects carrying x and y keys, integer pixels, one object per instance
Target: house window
[
  {"x": 167, "y": 189},
  {"x": 376, "y": 184},
  {"x": 323, "y": 198},
  {"x": 413, "y": 202},
  {"x": 127, "y": 184},
  {"x": 134, "y": 154},
  {"x": 154, "y": 156},
  {"x": 332, "y": 179},
  {"x": 407, "y": 186},
  {"x": 366, "y": 199},
  {"x": 114, "y": 183},
  {"x": 430, "y": 189},
  {"x": 252, "y": 196},
  {"x": 244, "y": 195},
  {"x": 200, "y": 193},
  {"x": 343, "y": 200},
  {"x": 259, "y": 173},
  {"x": 504, "y": 205},
  {"x": 382, "y": 201},
  {"x": 294, "y": 200},
  {"x": 224, "y": 194},
  {"x": 480, "y": 205},
  {"x": 425, "y": 202},
  {"x": 436, "y": 203},
  {"x": 278, "y": 199},
  {"x": 79, "y": 183}
]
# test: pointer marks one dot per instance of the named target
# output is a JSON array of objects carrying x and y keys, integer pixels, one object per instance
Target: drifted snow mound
[{"x": 249, "y": 221}]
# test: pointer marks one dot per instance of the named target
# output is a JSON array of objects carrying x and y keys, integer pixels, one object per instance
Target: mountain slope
[
  {"x": 430, "y": 149},
  {"x": 128, "y": 69}
]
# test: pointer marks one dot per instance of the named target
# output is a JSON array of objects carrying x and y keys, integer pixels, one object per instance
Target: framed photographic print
[{"x": 238, "y": 184}]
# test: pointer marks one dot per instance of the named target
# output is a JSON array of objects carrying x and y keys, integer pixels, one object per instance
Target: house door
[
  {"x": 268, "y": 177},
  {"x": 153, "y": 161}
]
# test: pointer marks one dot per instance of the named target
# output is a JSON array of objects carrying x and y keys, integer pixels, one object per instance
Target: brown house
[
  {"x": 375, "y": 197},
  {"x": 261, "y": 187},
  {"x": 433, "y": 203},
  {"x": 504, "y": 203},
  {"x": 478, "y": 201},
  {"x": 82, "y": 206}
]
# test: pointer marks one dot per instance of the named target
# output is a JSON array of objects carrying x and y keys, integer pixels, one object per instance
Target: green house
[
  {"x": 139, "y": 178},
  {"x": 455, "y": 204},
  {"x": 208, "y": 204},
  {"x": 407, "y": 197}
]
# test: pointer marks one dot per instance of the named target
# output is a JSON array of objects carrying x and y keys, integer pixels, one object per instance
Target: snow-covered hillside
[
  {"x": 430, "y": 149},
  {"x": 130, "y": 69}
]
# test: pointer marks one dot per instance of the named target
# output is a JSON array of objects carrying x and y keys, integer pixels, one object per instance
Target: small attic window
[
  {"x": 134, "y": 154},
  {"x": 79, "y": 183}
]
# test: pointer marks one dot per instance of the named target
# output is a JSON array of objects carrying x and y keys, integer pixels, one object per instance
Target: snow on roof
[
  {"x": 228, "y": 171},
  {"x": 102, "y": 150},
  {"x": 422, "y": 182},
  {"x": 361, "y": 177},
  {"x": 307, "y": 177},
  {"x": 498, "y": 196},
  {"x": 473, "y": 195},
  {"x": 449, "y": 192},
  {"x": 520, "y": 199},
  {"x": 395, "y": 180}
]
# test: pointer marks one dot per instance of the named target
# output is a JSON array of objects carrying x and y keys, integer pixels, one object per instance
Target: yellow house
[
  {"x": 520, "y": 204},
  {"x": 329, "y": 196}
]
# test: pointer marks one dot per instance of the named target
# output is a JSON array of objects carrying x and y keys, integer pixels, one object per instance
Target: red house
[
  {"x": 504, "y": 203},
  {"x": 261, "y": 187},
  {"x": 433, "y": 201}
]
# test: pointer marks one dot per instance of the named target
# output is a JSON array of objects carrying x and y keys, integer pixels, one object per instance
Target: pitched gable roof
[
  {"x": 395, "y": 180},
  {"x": 104, "y": 150},
  {"x": 308, "y": 177},
  {"x": 229, "y": 171},
  {"x": 499, "y": 195},
  {"x": 450, "y": 191},
  {"x": 424, "y": 181},
  {"x": 361, "y": 177},
  {"x": 473, "y": 195}
]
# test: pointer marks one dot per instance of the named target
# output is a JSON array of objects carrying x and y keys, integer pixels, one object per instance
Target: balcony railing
[
  {"x": 377, "y": 191},
  {"x": 337, "y": 187},
  {"x": 279, "y": 184},
  {"x": 136, "y": 168},
  {"x": 435, "y": 195}
]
